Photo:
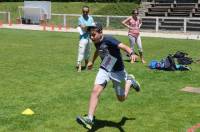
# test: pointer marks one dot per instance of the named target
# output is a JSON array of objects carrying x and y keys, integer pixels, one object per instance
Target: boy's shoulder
[{"x": 108, "y": 37}]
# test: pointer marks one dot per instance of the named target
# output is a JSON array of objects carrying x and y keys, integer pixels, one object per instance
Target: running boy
[{"x": 111, "y": 68}]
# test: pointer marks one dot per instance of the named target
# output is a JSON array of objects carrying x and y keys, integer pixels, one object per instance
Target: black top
[{"x": 109, "y": 46}]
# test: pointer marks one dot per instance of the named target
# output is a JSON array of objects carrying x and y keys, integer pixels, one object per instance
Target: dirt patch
[{"x": 191, "y": 90}]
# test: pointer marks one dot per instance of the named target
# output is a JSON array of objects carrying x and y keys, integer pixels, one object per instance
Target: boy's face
[{"x": 95, "y": 36}]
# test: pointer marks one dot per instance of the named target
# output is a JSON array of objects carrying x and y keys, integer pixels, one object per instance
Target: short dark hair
[{"x": 97, "y": 26}]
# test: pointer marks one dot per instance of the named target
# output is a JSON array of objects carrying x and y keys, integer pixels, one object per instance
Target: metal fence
[
  {"x": 181, "y": 24},
  {"x": 71, "y": 20},
  {"x": 156, "y": 24}
]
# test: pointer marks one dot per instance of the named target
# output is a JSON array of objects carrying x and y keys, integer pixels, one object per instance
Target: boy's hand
[{"x": 90, "y": 65}]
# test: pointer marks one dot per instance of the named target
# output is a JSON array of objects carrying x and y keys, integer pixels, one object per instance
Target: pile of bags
[{"x": 178, "y": 61}]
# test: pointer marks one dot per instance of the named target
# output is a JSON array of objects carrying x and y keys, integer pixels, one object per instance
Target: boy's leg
[
  {"x": 134, "y": 84},
  {"x": 122, "y": 91},
  {"x": 100, "y": 83},
  {"x": 131, "y": 82},
  {"x": 87, "y": 121},
  {"x": 94, "y": 98},
  {"x": 121, "y": 84}
]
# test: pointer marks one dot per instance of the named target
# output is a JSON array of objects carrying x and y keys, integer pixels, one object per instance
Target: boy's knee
[{"x": 95, "y": 92}]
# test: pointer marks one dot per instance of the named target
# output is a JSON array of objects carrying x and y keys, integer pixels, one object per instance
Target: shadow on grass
[
  {"x": 130, "y": 61},
  {"x": 98, "y": 124},
  {"x": 82, "y": 68},
  {"x": 126, "y": 60}
]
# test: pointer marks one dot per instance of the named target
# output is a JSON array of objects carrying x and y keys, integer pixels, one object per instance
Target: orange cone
[
  {"x": 10, "y": 23},
  {"x": 52, "y": 27},
  {"x": 1, "y": 24},
  {"x": 59, "y": 27}
]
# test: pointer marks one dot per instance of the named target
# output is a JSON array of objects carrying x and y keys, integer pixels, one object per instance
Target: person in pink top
[{"x": 133, "y": 23}]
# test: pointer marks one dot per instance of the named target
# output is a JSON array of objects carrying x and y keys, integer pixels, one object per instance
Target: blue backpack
[
  {"x": 165, "y": 64},
  {"x": 154, "y": 64}
]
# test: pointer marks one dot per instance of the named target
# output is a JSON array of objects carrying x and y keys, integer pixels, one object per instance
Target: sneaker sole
[
  {"x": 81, "y": 122},
  {"x": 132, "y": 76},
  {"x": 137, "y": 89}
]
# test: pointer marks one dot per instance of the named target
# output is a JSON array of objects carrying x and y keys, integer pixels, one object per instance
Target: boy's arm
[{"x": 128, "y": 50}]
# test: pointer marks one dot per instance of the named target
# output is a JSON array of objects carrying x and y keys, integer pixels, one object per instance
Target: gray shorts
[{"x": 118, "y": 78}]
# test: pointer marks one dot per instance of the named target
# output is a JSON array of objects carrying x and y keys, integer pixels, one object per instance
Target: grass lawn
[{"x": 37, "y": 71}]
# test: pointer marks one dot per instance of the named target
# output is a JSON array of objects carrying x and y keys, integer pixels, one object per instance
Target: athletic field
[{"x": 37, "y": 71}]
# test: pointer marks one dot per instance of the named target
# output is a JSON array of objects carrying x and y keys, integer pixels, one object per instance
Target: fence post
[
  {"x": 157, "y": 24},
  {"x": 9, "y": 17},
  {"x": 185, "y": 25},
  {"x": 107, "y": 21},
  {"x": 64, "y": 20}
]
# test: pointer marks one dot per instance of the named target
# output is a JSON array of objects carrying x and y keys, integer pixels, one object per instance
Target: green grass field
[{"x": 37, "y": 71}]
